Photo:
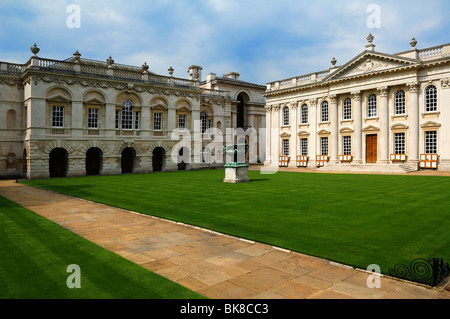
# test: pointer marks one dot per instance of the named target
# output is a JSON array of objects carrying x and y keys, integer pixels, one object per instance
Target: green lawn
[
  {"x": 357, "y": 220},
  {"x": 35, "y": 254}
]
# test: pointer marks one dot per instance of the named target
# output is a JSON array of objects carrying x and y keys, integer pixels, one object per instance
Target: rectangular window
[
  {"x": 58, "y": 116},
  {"x": 399, "y": 143},
  {"x": 400, "y": 104},
  {"x": 324, "y": 112},
  {"x": 117, "y": 119},
  {"x": 182, "y": 122},
  {"x": 127, "y": 119},
  {"x": 324, "y": 145},
  {"x": 304, "y": 146},
  {"x": 136, "y": 120},
  {"x": 347, "y": 145},
  {"x": 93, "y": 118},
  {"x": 157, "y": 121},
  {"x": 431, "y": 142},
  {"x": 286, "y": 147}
]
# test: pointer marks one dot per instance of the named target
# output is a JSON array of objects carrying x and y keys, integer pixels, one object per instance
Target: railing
[
  {"x": 429, "y": 271},
  {"x": 431, "y": 52},
  {"x": 56, "y": 65},
  {"x": 296, "y": 81},
  {"x": 93, "y": 69},
  {"x": 216, "y": 93}
]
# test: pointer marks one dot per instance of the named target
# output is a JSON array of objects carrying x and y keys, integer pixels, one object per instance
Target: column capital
[
  {"x": 333, "y": 98},
  {"x": 276, "y": 107},
  {"x": 413, "y": 87},
  {"x": 383, "y": 90},
  {"x": 356, "y": 95},
  {"x": 268, "y": 108},
  {"x": 294, "y": 105},
  {"x": 313, "y": 102}
]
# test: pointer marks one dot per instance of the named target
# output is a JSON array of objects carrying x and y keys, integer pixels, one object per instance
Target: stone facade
[
  {"x": 377, "y": 112},
  {"x": 82, "y": 117}
]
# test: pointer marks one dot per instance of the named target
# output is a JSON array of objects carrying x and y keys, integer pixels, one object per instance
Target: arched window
[
  {"x": 304, "y": 114},
  {"x": 431, "y": 99},
  {"x": 286, "y": 116},
  {"x": 372, "y": 106},
  {"x": 204, "y": 121},
  {"x": 347, "y": 110},
  {"x": 324, "y": 111},
  {"x": 400, "y": 108},
  {"x": 127, "y": 115}
]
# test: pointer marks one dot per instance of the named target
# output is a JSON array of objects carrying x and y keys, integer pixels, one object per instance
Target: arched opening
[
  {"x": 240, "y": 111},
  {"x": 58, "y": 162},
  {"x": 128, "y": 156},
  {"x": 158, "y": 159},
  {"x": 93, "y": 161},
  {"x": 183, "y": 154}
]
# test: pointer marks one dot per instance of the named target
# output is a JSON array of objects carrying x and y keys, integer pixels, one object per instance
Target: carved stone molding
[
  {"x": 445, "y": 83},
  {"x": 333, "y": 98},
  {"x": 313, "y": 102},
  {"x": 413, "y": 87},
  {"x": 383, "y": 91},
  {"x": 356, "y": 95}
]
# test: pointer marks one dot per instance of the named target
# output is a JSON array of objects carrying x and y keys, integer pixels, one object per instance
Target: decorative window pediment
[
  {"x": 346, "y": 130},
  {"x": 430, "y": 124},
  {"x": 399, "y": 126},
  {"x": 58, "y": 99},
  {"x": 324, "y": 132},
  {"x": 303, "y": 133},
  {"x": 285, "y": 135},
  {"x": 371, "y": 128}
]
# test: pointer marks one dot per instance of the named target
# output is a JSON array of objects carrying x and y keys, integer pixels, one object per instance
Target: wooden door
[{"x": 371, "y": 148}]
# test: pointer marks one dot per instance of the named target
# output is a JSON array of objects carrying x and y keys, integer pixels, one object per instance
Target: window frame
[
  {"x": 158, "y": 121},
  {"x": 434, "y": 142},
  {"x": 127, "y": 116},
  {"x": 372, "y": 107},
  {"x": 59, "y": 116},
  {"x": 324, "y": 112},
  {"x": 347, "y": 145},
  {"x": 286, "y": 146},
  {"x": 399, "y": 143},
  {"x": 400, "y": 102},
  {"x": 285, "y": 116},
  {"x": 304, "y": 146},
  {"x": 347, "y": 109},
  {"x": 431, "y": 102},
  {"x": 304, "y": 114},
  {"x": 324, "y": 147}
]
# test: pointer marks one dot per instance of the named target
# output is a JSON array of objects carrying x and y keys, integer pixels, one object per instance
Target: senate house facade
[
  {"x": 83, "y": 117},
  {"x": 377, "y": 112}
]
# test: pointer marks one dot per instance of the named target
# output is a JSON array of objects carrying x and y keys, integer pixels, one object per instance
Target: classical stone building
[
  {"x": 83, "y": 117},
  {"x": 377, "y": 112}
]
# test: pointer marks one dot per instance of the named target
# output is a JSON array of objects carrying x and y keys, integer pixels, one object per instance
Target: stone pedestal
[{"x": 236, "y": 173}]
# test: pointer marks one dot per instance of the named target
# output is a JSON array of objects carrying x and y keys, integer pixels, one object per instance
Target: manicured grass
[
  {"x": 35, "y": 254},
  {"x": 357, "y": 220}
]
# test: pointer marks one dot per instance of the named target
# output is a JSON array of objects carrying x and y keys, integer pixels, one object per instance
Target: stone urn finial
[
  {"x": 109, "y": 61},
  {"x": 76, "y": 56},
  {"x": 34, "y": 49},
  {"x": 413, "y": 43},
  {"x": 171, "y": 71},
  {"x": 370, "y": 38},
  {"x": 333, "y": 61},
  {"x": 145, "y": 67}
]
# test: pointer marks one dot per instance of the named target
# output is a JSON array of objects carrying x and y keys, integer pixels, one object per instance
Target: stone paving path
[{"x": 212, "y": 264}]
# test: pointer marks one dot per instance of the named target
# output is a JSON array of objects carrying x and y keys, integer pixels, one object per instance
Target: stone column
[
  {"x": 357, "y": 118},
  {"x": 312, "y": 141},
  {"x": 383, "y": 113},
  {"x": 334, "y": 118},
  {"x": 293, "y": 144},
  {"x": 275, "y": 132},
  {"x": 268, "y": 129},
  {"x": 414, "y": 133}
]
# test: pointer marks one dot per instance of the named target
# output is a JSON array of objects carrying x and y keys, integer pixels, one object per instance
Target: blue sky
[{"x": 262, "y": 40}]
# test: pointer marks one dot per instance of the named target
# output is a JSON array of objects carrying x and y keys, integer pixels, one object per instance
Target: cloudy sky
[{"x": 262, "y": 40}]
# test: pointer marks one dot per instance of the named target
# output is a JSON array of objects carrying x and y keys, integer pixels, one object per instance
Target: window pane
[
  {"x": 304, "y": 114},
  {"x": 93, "y": 118},
  {"x": 136, "y": 121},
  {"x": 431, "y": 142},
  {"x": 182, "y": 122},
  {"x": 347, "y": 145},
  {"x": 431, "y": 99},
  {"x": 204, "y": 121},
  {"x": 400, "y": 108},
  {"x": 286, "y": 147},
  {"x": 286, "y": 116},
  {"x": 347, "y": 109},
  {"x": 157, "y": 121},
  {"x": 399, "y": 143},
  {"x": 304, "y": 146},
  {"x": 324, "y": 145},
  {"x": 127, "y": 115},
  {"x": 325, "y": 112},
  {"x": 372, "y": 106},
  {"x": 58, "y": 116}
]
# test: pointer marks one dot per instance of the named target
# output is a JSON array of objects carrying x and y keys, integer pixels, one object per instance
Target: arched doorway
[
  {"x": 93, "y": 161},
  {"x": 183, "y": 154},
  {"x": 158, "y": 159},
  {"x": 128, "y": 156},
  {"x": 58, "y": 162}
]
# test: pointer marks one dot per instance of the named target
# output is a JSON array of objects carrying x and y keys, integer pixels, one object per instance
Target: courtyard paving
[{"x": 215, "y": 265}]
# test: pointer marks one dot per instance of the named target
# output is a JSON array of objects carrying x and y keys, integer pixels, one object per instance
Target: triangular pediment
[{"x": 369, "y": 63}]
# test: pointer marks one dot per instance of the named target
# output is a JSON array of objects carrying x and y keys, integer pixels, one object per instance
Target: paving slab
[{"x": 215, "y": 265}]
